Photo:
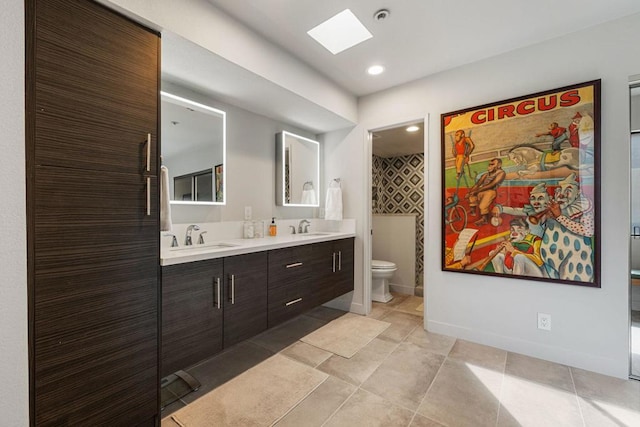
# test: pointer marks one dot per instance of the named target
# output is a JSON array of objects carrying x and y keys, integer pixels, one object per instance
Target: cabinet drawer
[
  {"x": 289, "y": 266},
  {"x": 286, "y": 302}
]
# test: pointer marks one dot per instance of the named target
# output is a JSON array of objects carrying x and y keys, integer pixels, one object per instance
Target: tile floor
[{"x": 409, "y": 377}]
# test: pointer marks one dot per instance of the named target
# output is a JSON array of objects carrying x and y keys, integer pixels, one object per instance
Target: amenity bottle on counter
[
  {"x": 248, "y": 230},
  {"x": 273, "y": 228}
]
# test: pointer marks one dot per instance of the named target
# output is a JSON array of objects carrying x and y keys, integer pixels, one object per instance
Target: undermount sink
[
  {"x": 313, "y": 233},
  {"x": 206, "y": 246}
]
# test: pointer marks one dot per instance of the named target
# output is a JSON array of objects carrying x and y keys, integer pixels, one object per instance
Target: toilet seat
[{"x": 382, "y": 265}]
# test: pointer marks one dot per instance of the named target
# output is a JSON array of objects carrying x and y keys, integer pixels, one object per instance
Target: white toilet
[{"x": 381, "y": 272}]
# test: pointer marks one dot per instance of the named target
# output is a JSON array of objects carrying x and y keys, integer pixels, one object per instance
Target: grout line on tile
[
  {"x": 339, "y": 407},
  {"x": 435, "y": 377},
  {"x": 299, "y": 401},
  {"x": 359, "y": 387},
  {"x": 504, "y": 374},
  {"x": 575, "y": 393}
]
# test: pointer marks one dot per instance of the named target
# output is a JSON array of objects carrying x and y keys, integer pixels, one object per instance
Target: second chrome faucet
[
  {"x": 304, "y": 229},
  {"x": 187, "y": 239}
]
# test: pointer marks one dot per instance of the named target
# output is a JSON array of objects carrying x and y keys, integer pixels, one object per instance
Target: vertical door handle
[
  {"x": 233, "y": 289},
  {"x": 339, "y": 260},
  {"x": 148, "y": 196},
  {"x": 216, "y": 303},
  {"x": 148, "y": 144},
  {"x": 334, "y": 262}
]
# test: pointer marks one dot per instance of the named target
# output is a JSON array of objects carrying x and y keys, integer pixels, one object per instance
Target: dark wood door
[
  {"x": 343, "y": 250},
  {"x": 324, "y": 266},
  {"x": 93, "y": 226},
  {"x": 245, "y": 296},
  {"x": 191, "y": 313},
  {"x": 95, "y": 88},
  {"x": 333, "y": 269}
]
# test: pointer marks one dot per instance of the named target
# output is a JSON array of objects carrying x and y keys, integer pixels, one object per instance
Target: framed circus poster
[{"x": 520, "y": 187}]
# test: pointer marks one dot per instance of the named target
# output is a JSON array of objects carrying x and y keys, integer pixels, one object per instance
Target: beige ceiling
[
  {"x": 420, "y": 37},
  {"x": 396, "y": 142}
]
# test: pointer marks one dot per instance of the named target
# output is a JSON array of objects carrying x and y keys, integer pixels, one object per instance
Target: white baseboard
[
  {"x": 402, "y": 289},
  {"x": 357, "y": 308},
  {"x": 589, "y": 362}
]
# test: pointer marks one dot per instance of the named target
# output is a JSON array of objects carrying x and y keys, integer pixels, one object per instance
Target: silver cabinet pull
[
  {"x": 216, "y": 303},
  {"x": 334, "y": 262},
  {"x": 339, "y": 260},
  {"x": 293, "y": 302},
  {"x": 295, "y": 264},
  {"x": 233, "y": 289},
  {"x": 148, "y": 196},
  {"x": 148, "y": 144}
]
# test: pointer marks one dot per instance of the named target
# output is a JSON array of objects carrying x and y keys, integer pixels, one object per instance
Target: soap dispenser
[{"x": 273, "y": 228}]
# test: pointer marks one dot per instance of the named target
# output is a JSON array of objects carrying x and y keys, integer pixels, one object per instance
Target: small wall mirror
[
  {"x": 193, "y": 150},
  {"x": 297, "y": 170}
]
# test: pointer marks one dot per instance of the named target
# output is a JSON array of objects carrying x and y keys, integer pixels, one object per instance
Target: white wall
[
  {"x": 14, "y": 393},
  {"x": 590, "y": 326},
  {"x": 343, "y": 157}
]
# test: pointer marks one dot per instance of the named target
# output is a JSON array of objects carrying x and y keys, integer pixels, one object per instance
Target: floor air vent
[{"x": 176, "y": 386}]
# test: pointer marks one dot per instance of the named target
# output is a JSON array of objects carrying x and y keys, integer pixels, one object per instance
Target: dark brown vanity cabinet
[
  {"x": 342, "y": 269},
  {"x": 303, "y": 277},
  {"x": 192, "y": 313},
  {"x": 290, "y": 282},
  {"x": 245, "y": 296},
  {"x": 210, "y": 305},
  {"x": 333, "y": 268},
  {"x": 92, "y": 218}
]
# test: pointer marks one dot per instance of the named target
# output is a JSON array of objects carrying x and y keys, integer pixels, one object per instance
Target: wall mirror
[
  {"x": 297, "y": 170},
  {"x": 193, "y": 150}
]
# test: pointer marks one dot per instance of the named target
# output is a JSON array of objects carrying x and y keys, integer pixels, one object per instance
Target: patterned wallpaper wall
[{"x": 398, "y": 187}]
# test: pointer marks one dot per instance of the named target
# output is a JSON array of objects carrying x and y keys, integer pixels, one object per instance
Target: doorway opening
[{"x": 397, "y": 216}]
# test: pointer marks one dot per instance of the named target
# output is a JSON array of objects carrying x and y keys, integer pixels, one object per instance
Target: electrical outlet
[
  {"x": 544, "y": 321},
  {"x": 247, "y": 212}
]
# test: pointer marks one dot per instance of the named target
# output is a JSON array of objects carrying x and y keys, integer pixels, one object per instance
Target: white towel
[
  {"x": 333, "y": 204},
  {"x": 308, "y": 197},
  {"x": 165, "y": 206}
]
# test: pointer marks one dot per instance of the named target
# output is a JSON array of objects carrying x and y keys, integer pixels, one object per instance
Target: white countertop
[{"x": 230, "y": 247}]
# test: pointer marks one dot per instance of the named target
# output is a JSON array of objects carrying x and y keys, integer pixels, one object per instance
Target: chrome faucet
[
  {"x": 174, "y": 241},
  {"x": 306, "y": 226},
  {"x": 293, "y": 229},
  {"x": 187, "y": 238}
]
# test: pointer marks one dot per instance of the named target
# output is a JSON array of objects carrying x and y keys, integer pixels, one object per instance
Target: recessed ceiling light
[
  {"x": 340, "y": 32},
  {"x": 374, "y": 70},
  {"x": 413, "y": 128}
]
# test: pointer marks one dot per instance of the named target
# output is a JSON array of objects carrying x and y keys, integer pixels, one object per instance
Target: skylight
[{"x": 340, "y": 32}]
